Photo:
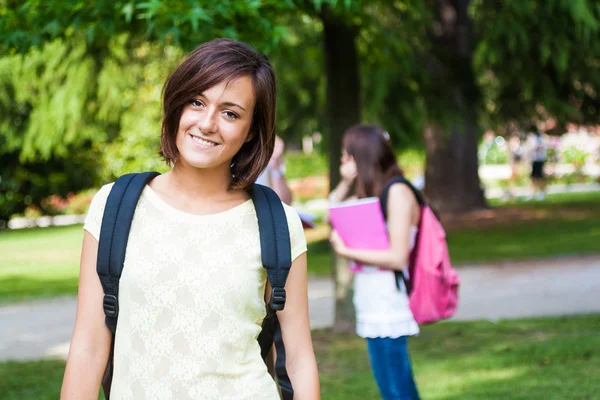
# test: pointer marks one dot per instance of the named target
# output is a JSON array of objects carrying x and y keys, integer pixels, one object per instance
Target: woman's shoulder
[
  {"x": 297, "y": 238},
  {"x": 93, "y": 219},
  {"x": 401, "y": 191},
  {"x": 291, "y": 214}
]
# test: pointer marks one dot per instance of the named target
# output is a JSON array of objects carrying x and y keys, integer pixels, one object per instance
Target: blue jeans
[{"x": 391, "y": 366}]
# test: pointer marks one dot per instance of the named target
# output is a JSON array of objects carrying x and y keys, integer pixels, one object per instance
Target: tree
[
  {"x": 450, "y": 130},
  {"x": 538, "y": 60}
]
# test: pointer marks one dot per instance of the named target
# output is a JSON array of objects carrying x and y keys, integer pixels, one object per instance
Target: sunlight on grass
[
  {"x": 534, "y": 359},
  {"x": 39, "y": 262}
]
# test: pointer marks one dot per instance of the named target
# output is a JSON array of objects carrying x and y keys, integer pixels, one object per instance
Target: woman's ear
[{"x": 249, "y": 137}]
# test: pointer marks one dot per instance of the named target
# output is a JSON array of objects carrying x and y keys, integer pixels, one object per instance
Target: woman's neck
[
  {"x": 198, "y": 191},
  {"x": 199, "y": 182}
]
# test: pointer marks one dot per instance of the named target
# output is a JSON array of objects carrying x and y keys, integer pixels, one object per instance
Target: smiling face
[
  {"x": 215, "y": 124},
  {"x": 218, "y": 108}
]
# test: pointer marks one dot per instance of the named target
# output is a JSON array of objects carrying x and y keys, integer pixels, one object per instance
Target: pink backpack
[{"x": 432, "y": 283}]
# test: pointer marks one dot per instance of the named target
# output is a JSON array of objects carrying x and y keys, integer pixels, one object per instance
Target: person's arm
[
  {"x": 279, "y": 184},
  {"x": 401, "y": 207},
  {"x": 295, "y": 327},
  {"x": 90, "y": 344},
  {"x": 276, "y": 175}
]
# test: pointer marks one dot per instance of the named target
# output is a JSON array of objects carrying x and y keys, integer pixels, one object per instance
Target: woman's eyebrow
[
  {"x": 230, "y": 104},
  {"x": 226, "y": 104}
]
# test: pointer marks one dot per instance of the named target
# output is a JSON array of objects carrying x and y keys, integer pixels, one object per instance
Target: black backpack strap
[
  {"x": 384, "y": 194},
  {"x": 114, "y": 233},
  {"x": 277, "y": 259},
  {"x": 383, "y": 199}
]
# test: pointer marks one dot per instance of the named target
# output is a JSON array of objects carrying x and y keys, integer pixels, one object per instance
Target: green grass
[
  {"x": 39, "y": 262},
  {"x": 542, "y": 239},
  {"x": 570, "y": 225},
  {"x": 320, "y": 258},
  {"x": 39, "y": 380},
  {"x": 545, "y": 359},
  {"x": 576, "y": 199},
  {"x": 535, "y": 359}
]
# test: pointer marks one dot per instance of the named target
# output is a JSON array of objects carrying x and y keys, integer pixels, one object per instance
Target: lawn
[
  {"x": 44, "y": 261},
  {"x": 545, "y": 359},
  {"x": 562, "y": 224},
  {"x": 39, "y": 262},
  {"x": 535, "y": 359}
]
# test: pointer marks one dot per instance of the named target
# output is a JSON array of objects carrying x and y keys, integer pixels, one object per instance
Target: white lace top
[
  {"x": 191, "y": 303},
  {"x": 381, "y": 309}
]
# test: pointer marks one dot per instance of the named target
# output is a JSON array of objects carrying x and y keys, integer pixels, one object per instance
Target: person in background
[
  {"x": 515, "y": 158},
  {"x": 274, "y": 175},
  {"x": 383, "y": 315},
  {"x": 538, "y": 159}
]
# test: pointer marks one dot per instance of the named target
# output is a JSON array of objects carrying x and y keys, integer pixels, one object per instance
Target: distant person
[
  {"x": 515, "y": 159},
  {"x": 538, "y": 160},
  {"x": 383, "y": 315},
  {"x": 274, "y": 175},
  {"x": 193, "y": 294}
]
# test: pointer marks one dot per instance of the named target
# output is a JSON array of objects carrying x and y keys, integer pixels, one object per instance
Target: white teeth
[{"x": 202, "y": 141}]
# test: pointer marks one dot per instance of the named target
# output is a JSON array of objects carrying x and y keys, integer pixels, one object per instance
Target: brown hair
[
  {"x": 208, "y": 65},
  {"x": 376, "y": 163}
]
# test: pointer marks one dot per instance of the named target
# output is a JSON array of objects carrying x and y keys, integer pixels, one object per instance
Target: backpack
[
  {"x": 432, "y": 283},
  {"x": 275, "y": 254}
]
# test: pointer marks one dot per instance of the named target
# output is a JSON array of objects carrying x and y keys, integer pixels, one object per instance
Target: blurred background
[{"x": 461, "y": 86}]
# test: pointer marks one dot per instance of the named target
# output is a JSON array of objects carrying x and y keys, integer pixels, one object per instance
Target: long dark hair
[{"x": 376, "y": 163}]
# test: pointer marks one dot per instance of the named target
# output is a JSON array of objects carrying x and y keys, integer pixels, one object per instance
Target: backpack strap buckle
[
  {"x": 111, "y": 306},
  {"x": 277, "y": 302}
]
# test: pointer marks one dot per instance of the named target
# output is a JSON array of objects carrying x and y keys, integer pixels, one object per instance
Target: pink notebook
[{"x": 360, "y": 224}]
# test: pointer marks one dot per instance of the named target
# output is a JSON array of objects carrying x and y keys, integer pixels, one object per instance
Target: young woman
[
  {"x": 192, "y": 294},
  {"x": 383, "y": 316}
]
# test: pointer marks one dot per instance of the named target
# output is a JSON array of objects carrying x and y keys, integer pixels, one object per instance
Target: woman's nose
[{"x": 207, "y": 122}]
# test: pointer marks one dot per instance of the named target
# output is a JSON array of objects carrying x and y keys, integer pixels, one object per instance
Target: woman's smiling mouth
[{"x": 203, "y": 142}]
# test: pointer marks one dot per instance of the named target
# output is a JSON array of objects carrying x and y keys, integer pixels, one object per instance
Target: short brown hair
[
  {"x": 224, "y": 60},
  {"x": 375, "y": 159}
]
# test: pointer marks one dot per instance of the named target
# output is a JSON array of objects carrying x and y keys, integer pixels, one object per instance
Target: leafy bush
[
  {"x": 300, "y": 165},
  {"x": 492, "y": 154},
  {"x": 576, "y": 156}
]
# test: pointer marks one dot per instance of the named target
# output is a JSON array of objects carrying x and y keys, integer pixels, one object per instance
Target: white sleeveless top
[
  {"x": 381, "y": 309},
  {"x": 191, "y": 303}
]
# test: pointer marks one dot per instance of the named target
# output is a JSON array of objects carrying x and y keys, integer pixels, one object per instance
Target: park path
[{"x": 493, "y": 291}]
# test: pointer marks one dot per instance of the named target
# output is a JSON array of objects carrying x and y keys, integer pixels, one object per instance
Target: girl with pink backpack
[{"x": 383, "y": 314}]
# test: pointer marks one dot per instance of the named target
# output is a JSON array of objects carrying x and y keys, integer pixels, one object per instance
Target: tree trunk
[
  {"x": 343, "y": 86},
  {"x": 451, "y": 174},
  {"x": 343, "y": 111}
]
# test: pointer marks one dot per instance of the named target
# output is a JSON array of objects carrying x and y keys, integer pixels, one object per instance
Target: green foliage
[
  {"x": 538, "y": 59},
  {"x": 300, "y": 165},
  {"x": 576, "y": 156},
  {"x": 492, "y": 153},
  {"x": 88, "y": 74},
  {"x": 63, "y": 132}
]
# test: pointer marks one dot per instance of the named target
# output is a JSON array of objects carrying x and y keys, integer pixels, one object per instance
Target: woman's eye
[
  {"x": 196, "y": 103},
  {"x": 230, "y": 115}
]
